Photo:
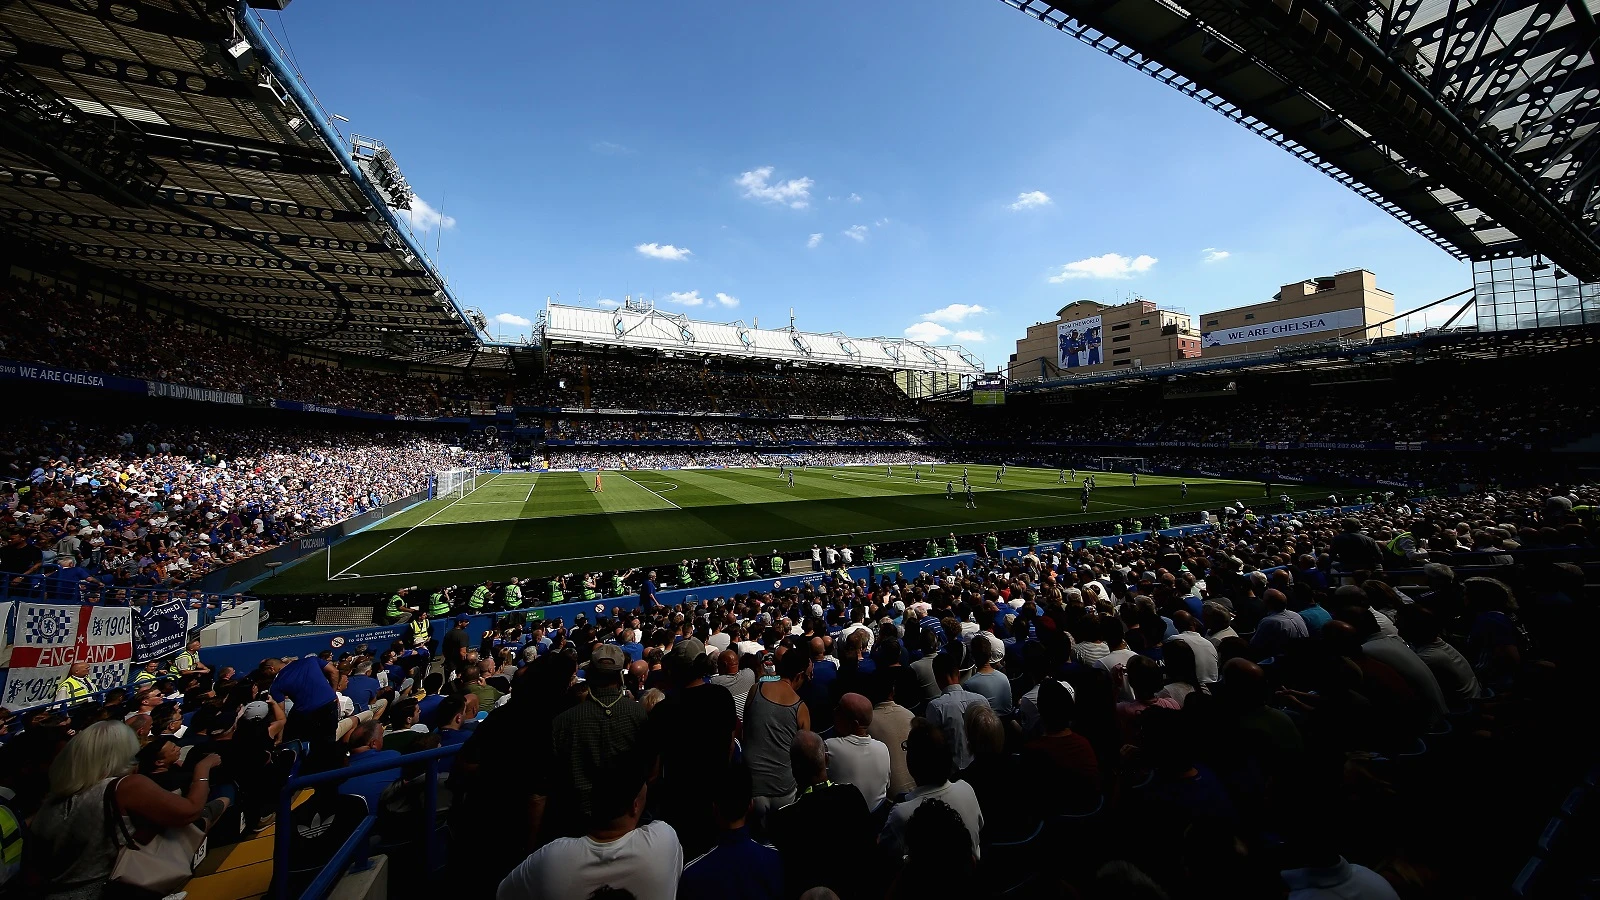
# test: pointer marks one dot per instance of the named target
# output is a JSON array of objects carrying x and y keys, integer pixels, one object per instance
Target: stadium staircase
[{"x": 241, "y": 871}]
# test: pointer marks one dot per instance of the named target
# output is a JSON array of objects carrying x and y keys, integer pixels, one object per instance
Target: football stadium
[{"x": 341, "y": 557}]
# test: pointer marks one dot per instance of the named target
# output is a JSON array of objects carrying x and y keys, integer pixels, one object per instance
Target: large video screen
[{"x": 989, "y": 391}]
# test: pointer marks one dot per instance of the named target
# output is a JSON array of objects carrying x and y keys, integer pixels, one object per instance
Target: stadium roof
[
  {"x": 1469, "y": 120},
  {"x": 169, "y": 142},
  {"x": 638, "y": 326}
]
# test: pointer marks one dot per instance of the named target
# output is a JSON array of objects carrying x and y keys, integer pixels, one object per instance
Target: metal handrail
[{"x": 353, "y": 850}]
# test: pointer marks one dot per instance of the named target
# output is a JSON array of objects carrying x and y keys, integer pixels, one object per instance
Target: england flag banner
[{"x": 51, "y": 637}]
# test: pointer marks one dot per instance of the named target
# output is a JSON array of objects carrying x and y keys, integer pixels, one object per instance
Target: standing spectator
[
  {"x": 948, "y": 711},
  {"x": 772, "y": 717},
  {"x": 308, "y": 684},
  {"x": 854, "y": 757},
  {"x": 614, "y": 851},
  {"x": 825, "y": 835},
  {"x": 736, "y": 868},
  {"x": 456, "y": 641},
  {"x": 605, "y": 726},
  {"x": 890, "y": 726}
]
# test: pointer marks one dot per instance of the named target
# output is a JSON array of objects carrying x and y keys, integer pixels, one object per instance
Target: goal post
[
  {"x": 1122, "y": 464},
  {"x": 456, "y": 483}
]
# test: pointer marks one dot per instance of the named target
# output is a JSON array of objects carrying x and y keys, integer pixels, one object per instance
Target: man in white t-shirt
[
  {"x": 928, "y": 758},
  {"x": 854, "y": 757},
  {"x": 1113, "y": 632},
  {"x": 617, "y": 853}
]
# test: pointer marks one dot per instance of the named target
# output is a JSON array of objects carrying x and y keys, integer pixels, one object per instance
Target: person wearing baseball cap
[{"x": 606, "y": 725}]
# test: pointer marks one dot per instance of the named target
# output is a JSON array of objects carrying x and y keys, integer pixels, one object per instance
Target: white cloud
[
  {"x": 857, "y": 233},
  {"x": 955, "y": 312},
  {"x": 513, "y": 319},
  {"x": 1212, "y": 254},
  {"x": 1110, "y": 265},
  {"x": 422, "y": 217},
  {"x": 663, "y": 251},
  {"x": 974, "y": 336},
  {"x": 881, "y": 222},
  {"x": 1031, "y": 200},
  {"x": 607, "y": 304},
  {"x": 814, "y": 240},
  {"x": 854, "y": 197},
  {"x": 727, "y": 299},
  {"x": 927, "y": 332},
  {"x": 611, "y": 148},
  {"x": 795, "y": 193},
  {"x": 686, "y": 298}
]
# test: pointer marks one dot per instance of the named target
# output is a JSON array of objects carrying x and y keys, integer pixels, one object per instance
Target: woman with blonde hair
[{"x": 71, "y": 847}]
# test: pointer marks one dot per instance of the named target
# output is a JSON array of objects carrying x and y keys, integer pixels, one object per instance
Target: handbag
[{"x": 160, "y": 865}]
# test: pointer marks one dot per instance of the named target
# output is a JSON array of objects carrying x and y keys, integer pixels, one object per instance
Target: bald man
[
  {"x": 854, "y": 756},
  {"x": 738, "y": 681}
]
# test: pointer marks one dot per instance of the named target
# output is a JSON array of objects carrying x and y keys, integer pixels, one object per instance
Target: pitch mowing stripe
[{"x": 870, "y": 505}]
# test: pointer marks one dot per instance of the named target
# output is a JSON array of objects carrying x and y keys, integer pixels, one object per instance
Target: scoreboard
[{"x": 988, "y": 390}]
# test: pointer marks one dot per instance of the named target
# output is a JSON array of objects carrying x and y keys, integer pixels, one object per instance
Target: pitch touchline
[{"x": 346, "y": 570}]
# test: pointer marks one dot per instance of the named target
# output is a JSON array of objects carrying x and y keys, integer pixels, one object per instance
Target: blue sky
[{"x": 950, "y": 167}]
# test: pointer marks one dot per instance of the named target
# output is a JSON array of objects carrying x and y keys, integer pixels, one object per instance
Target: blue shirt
[
  {"x": 426, "y": 707},
  {"x": 303, "y": 682},
  {"x": 372, "y": 784},
  {"x": 362, "y": 690},
  {"x": 1315, "y": 617},
  {"x": 635, "y": 651},
  {"x": 737, "y": 868}
]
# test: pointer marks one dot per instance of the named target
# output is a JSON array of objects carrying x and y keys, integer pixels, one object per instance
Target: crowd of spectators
[
  {"x": 594, "y": 381},
  {"x": 60, "y": 328},
  {"x": 628, "y": 429},
  {"x": 1390, "y": 410},
  {"x": 155, "y": 506},
  {"x": 1223, "y": 712}
]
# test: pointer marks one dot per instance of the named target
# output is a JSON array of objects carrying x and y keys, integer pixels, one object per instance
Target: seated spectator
[
  {"x": 366, "y": 746},
  {"x": 1419, "y": 628},
  {"x": 929, "y": 761},
  {"x": 1009, "y": 814},
  {"x": 939, "y": 860},
  {"x": 1064, "y": 760}
]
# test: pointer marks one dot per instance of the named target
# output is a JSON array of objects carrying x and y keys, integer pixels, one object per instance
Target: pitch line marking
[
  {"x": 657, "y": 493},
  {"x": 345, "y": 572}
]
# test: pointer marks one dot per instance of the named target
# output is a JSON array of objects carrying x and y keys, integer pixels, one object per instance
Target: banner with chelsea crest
[{"x": 50, "y": 637}]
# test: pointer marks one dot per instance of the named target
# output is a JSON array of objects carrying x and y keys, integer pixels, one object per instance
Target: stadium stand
[
  {"x": 222, "y": 342},
  {"x": 1273, "y": 702}
]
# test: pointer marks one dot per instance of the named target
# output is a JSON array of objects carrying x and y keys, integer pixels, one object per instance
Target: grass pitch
[{"x": 530, "y": 524}]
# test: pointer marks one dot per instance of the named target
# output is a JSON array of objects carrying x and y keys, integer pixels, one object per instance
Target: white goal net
[
  {"x": 454, "y": 482},
  {"x": 1122, "y": 464}
]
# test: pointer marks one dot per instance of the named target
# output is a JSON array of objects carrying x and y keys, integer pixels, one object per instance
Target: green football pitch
[{"x": 529, "y": 524}]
